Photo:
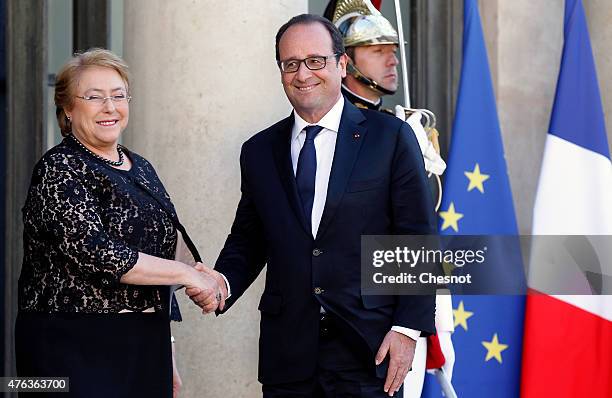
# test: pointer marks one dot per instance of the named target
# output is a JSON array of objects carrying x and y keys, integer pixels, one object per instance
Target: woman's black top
[{"x": 84, "y": 224}]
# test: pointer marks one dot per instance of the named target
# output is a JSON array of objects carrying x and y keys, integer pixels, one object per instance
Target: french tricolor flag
[{"x": 567, "y": 348}]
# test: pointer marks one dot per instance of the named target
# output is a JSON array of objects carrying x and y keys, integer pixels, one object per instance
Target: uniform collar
[{"x": 359, "y": 101}]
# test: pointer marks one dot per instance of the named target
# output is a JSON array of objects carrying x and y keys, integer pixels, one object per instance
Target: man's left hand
[{"x": 401, "y": 352}]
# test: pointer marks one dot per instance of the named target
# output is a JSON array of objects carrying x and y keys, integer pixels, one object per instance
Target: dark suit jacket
[{"x": 377, "y": 186}]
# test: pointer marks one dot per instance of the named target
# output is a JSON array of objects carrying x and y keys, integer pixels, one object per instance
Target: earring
[{"x": 69, "y": 119}]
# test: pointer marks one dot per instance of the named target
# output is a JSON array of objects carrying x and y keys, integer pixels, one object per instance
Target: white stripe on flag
[
  {"x": 575, "y": 191},
  {"x": 598, "y": 305}
]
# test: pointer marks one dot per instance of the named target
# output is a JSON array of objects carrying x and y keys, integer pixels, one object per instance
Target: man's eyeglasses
[
  {"x": 119, "y": 99},
  {"x": 312, "y": 63}
]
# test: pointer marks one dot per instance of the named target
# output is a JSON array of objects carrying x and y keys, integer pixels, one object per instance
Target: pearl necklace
[{"x": 115, "y": 163}]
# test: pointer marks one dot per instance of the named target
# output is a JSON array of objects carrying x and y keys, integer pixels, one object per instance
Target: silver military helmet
[
  {"x": 367, "y": 30},
  {"x": 361, "y": 24}
]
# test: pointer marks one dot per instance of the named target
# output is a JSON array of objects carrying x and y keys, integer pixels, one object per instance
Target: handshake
[{"x": 206, "y": 288}]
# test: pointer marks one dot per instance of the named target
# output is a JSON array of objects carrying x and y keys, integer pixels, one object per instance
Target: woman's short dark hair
[{"x": 307, "y": 19}]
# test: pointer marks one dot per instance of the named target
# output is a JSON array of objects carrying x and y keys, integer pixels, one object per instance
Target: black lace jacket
[{"x": 84, "y": 224}]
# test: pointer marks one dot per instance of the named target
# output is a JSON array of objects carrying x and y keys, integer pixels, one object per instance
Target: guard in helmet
[{"x": 371, "y": 43}]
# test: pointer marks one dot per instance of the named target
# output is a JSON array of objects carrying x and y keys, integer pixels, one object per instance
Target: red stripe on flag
[
  {"x": 377, "y": 3},
  {"x": 435, "y": 356},
  {"x": 567, "y": 351}
]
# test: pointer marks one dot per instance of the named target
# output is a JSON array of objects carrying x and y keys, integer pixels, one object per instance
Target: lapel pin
[{"x": 356, "y": 135}]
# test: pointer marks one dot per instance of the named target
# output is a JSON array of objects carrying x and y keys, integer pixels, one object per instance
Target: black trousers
[{"x": 341, "y": 371}]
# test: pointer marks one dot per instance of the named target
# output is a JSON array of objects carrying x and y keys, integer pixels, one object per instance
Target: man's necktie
[{"x": 306, "y": 172}]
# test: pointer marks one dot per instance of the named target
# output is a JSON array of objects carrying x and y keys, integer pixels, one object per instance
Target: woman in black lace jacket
[{"x": 100, "y": 235}]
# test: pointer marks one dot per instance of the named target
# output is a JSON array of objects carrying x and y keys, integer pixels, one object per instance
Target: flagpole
[
  {"x": 402, "y": 48},
  {"x": 445, "y": 384}
]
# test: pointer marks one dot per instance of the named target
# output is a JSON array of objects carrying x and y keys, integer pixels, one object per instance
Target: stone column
[
  {"x": 25, "y": 105},
  {"x": 205, "y": 80},
  {"x": 524, "y": 41}
]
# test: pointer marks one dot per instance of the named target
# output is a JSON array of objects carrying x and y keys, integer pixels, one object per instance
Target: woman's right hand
[{"x": 203, "y": 290}]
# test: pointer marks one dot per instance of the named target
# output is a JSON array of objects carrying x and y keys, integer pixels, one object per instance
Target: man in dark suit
[{"x": 312, "y": 184}]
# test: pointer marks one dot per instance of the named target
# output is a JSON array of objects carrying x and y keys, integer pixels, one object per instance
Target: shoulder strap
[{"x": 171, "y": 213}]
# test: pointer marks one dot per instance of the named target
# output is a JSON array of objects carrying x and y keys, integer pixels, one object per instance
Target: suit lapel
[
  {"x": 282, "y": 156},
  {"x": 350, "y": 136}
]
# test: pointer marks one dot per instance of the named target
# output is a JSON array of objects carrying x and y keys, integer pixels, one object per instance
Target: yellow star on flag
[
  {"x": 494, "y": 348},
  {"x": 476, "y": 179},
  {"x": 461, "y": 316},
  {"x": 450, "y": 218}
]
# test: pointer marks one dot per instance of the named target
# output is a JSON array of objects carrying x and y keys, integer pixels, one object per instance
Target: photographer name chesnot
[
  {"x": 425, "y": 278},
  {"x": 412, "y": 257}
]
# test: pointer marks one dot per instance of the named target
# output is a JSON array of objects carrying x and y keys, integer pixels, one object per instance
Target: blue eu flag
[{"x": 478, "y": 201}]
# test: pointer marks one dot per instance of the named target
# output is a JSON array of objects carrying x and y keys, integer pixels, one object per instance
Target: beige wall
[
  {"x": 529, "y": 51},
  {"x": 599, "y": 15},
  {"x": 204, "y": 80}
]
